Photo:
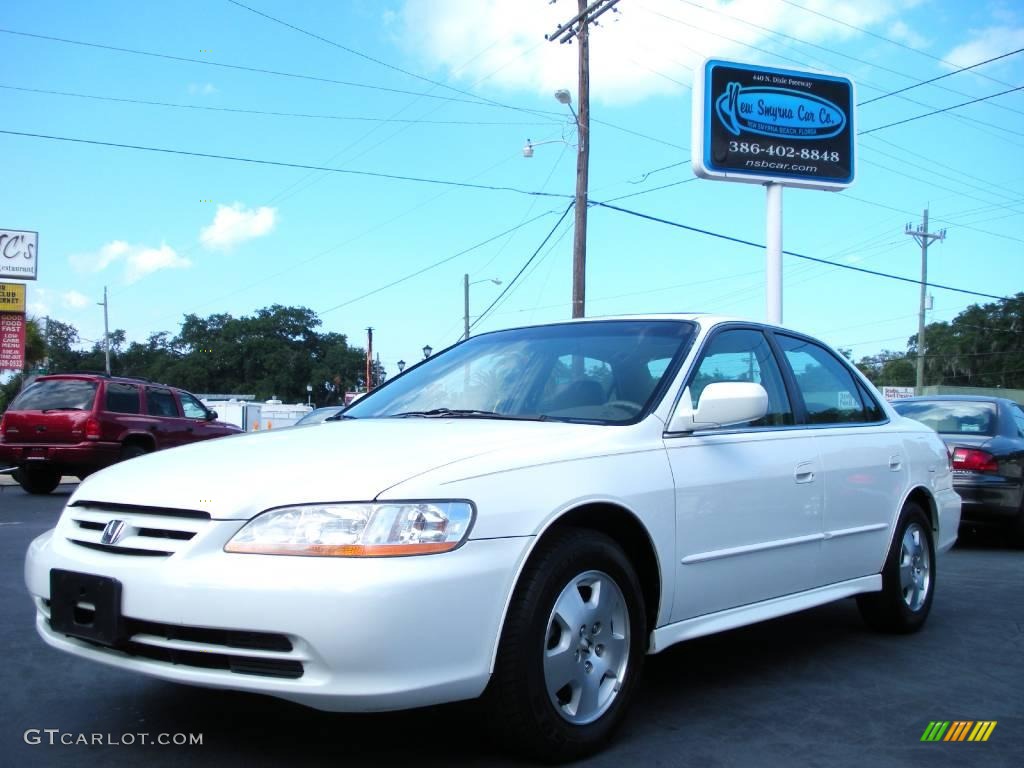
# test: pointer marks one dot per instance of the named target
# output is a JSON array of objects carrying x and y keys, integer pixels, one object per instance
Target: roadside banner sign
[
  {"x": 18, "y": 252},
  {"x": 764, "y": 124},
  {"x": 12, "y": 341},
  {"x": 896, "y": 393},
  {"x": 12, "y": 297}
]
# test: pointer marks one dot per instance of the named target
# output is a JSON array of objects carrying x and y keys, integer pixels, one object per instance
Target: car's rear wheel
[
  {"x": 908, "y": 577},
  {"x": 571, "y": 650},
  {"x": 37, "y": 480}
]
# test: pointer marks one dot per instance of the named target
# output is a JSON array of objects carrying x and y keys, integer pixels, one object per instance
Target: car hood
[{"x": 239, "y": 477}]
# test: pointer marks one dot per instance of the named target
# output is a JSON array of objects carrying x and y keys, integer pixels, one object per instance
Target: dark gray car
[{"x": 985, "y": 437}]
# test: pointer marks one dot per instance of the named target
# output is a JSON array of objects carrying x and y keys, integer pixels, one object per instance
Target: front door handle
[{"x": 804, "y": 472}]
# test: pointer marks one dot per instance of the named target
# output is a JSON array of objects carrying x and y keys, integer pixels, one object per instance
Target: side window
[
  {"x": 744, "y": 355},
  {"x": 122, "y": 398},
  {"x": 872, "y": 410},
  {"x": 160, "y": 402},
  {"x": 831, "y": 395},
  {"x": 1018, "y": 416},
  {"x": 193, "y": 408}
]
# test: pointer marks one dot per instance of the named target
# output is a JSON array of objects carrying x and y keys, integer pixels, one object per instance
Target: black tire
[
  {"x": 131, "y": 451},
  {"x": 38, "y": 481},
  {"x": 908, "y": 577},
  {"x": 569, "y": 563}
]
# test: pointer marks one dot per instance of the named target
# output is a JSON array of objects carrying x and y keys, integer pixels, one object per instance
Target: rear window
[
  {"x": 952, "y": 417},
  {"x": 57, "y": 394}
]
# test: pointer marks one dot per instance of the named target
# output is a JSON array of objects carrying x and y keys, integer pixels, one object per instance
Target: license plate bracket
[{"x": 86, "y": 606}]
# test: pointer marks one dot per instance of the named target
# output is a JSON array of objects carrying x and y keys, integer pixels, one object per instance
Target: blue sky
[{"x": 171, "y": 234}]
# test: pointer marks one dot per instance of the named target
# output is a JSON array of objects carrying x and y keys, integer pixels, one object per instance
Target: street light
[
  {"x": 465, "y": 295},
  {"x": 309, "y": 394},
  {"x": 401, "y": 365},
  {"x": 579, "y": 245},
  {"x": 426, "y": 351}
]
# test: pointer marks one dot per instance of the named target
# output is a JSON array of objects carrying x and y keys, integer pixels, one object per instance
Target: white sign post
[
  {"x": 18, "y": 252},
  {"x": 777, "y": 127}
]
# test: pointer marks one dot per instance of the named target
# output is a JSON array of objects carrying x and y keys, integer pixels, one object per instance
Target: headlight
[{"x": 356, "y": 530}]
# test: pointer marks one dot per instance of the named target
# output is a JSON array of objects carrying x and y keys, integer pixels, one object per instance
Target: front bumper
[
  {"x": 86, "y": 455},
  {"x": 365, "y": 634}
]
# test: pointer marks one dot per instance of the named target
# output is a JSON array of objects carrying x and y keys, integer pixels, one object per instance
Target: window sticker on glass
[
  {"x": 847, "y": 401},
  {"x": 968, "y": 427}
]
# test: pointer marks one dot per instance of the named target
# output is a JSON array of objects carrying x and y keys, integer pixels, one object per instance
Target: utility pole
[
  {"x": 369, "y": 358},
  {"x": 106, "y": 328},
  {"x": 465, "y": 304},
  {"x": 924, "y": 238},
  {"x": 586, "y": 16}
]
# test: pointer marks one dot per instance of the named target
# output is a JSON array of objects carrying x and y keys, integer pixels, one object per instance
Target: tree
[
  {"x": 983, "y": 346},
  {"x": 889, "y": 368}
]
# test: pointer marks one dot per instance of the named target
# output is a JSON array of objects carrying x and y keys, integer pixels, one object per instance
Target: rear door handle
[
  {"x": 896, "y": 463},
  {"x": 804, "y": 472}
]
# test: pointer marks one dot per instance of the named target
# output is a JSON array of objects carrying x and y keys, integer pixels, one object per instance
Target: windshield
[
  {"x": 56, "y": 394},
  {"x": 952, "y": 417},
  {"x": 606, "y": 372},
  {"x": 318, "y": 416}
]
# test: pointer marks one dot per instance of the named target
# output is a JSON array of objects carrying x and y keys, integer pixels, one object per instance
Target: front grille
[
  {"x": 147, "y": 531},
  {"x": 241, "y": 665},
  {"x": 257, "y": 641},
  {"x": 208, "y": 648}
]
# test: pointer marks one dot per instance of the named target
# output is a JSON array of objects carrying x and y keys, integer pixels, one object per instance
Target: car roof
[{"x": 102, "y": 376}]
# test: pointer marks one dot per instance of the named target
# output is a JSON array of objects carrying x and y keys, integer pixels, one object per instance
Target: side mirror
[
  {"x": 721, "y": 404},
  {"x": 211, "y": 415}
]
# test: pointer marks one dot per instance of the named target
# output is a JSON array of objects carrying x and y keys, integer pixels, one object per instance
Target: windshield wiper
[
  {"x": 338, "y": 417},
  {"x": 464, "y": 413}
]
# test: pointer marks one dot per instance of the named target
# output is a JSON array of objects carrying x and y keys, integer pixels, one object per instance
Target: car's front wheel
[
  {"x": 37, "y": 480},
  {"x": 908, "y": 577},
  {"x": 571, "y": 650}
]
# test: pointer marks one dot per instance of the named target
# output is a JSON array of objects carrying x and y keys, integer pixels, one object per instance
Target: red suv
[{"x": 75, "y": 424}]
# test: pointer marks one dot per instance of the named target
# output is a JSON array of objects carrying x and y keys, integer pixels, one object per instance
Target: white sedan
[{"x": 522, "y": 517}]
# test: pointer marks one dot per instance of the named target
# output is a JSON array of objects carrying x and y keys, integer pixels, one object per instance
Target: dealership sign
[
  {"x": 18, "y": 251},
  {"x": 12, "y": 341},
  {"x": 763, "y": 124}
]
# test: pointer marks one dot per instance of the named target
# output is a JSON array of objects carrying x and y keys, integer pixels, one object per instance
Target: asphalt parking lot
[{"x": 813, "y": 689}]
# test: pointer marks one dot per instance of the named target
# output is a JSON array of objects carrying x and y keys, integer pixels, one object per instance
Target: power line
[
  {"x": 940, "y": 77},
  {"x": 442, "y": 261},
  {"x": 367, "y": 57},
  {"x": 477, "y": 100},
  {"x": 944, "y": 109},
  {"x": 845, "y": 194},
  {"x": 761, "y": 246},
  {"x": 282, "y": 164},
  {"x": 831, "y": 51},
  {"x": 523, "y": 269},
  {"x": 240, "y": 67},
  {"x": 123, "y": 100},
  {"x": 884, "y": 39}
]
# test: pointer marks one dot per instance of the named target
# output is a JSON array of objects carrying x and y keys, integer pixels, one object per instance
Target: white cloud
[
  {"x": 138, "y": 260},
  {"x": 37, "y": 304},
  {"x": 900, "y": 30},
  {"x": 202, "y": 89},
  {"x": 648, "y": 48},
  {"x": 985, "y": 44},
  {"x": 145, "y": 261},
  {"x": 235, "y": 224},
  {"x": 75, "y": 300}
]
